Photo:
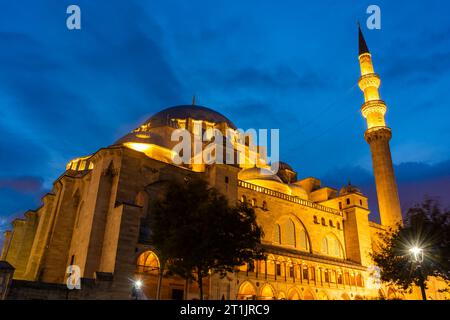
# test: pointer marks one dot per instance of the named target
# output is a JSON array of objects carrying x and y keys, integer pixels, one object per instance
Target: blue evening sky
[{"x": 264, "y": 64}]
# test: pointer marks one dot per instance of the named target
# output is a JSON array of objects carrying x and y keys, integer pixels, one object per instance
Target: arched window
[
  {"x": 324, "y": 247},
  {"x": 336, "y": 248},
  {"x": 323, "y": 221},
  {"x": 267, "y": 293},
  {"x": 331, "y": 223},
  {"x": 303, "y": 240},
  {"x": 277, "y": 234},
  {"x": 148, "y": 262},
  {"x": 243, "y": 199},
  {"x": 331, "y": 246},
  {"x": 289, "y": 233},
  {"x": 247, "y": 291},
  {"x": 338, "y": 225},
  {"x": 315, "y": 220},
  {"x": 253, "y": 203}
]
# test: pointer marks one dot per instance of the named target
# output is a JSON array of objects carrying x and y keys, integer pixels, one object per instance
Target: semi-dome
[
  {"x": 349, "y": 189},
  {"x": 195, "y": 112},
  {"x": 298, "y": 191},
  {"x": 256, "y": 173},
  {"x": 264, "y": 178}
]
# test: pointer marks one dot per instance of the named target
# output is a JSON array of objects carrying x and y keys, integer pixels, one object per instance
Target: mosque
[{"x": 318, "y": 239}]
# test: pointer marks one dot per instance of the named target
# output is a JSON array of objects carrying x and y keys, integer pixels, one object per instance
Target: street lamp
[
  {"x": 417, "y": 254},
  {"x": 135, "y": 292},
  {"x": 417, "y": 258},
  {"x": 138, "y": 284}
]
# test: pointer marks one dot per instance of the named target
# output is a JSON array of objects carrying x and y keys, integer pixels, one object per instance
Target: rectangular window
[
  {"x": 333, "y": 276},
  {"x": 327, "y": 276},
  {"x": 305, "y": 274},
  {"x": 291, "y": 272},
  {"x": 339, "y": 278},
  {"x": 352, "y": 280},
  {"x": 226, "y": 179},
  {"x": 313, "y": 274},
  {"x": 278, "y": 269}
]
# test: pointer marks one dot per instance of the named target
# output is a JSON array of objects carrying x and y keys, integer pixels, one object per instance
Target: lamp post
[
  {"x": 135, "y": 293},
  {"x": 417, "y": 258}
]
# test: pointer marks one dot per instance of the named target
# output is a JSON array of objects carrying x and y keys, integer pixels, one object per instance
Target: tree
[
  {"x": 198, "y": 232},
  {"x": 426, "y": 227}
]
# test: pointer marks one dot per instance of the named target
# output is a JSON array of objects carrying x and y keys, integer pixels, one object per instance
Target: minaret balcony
[
  {"x": 369, "y": 80},
  {"x": 375, "y": 106},
  {"x": 378, "y": 133}
]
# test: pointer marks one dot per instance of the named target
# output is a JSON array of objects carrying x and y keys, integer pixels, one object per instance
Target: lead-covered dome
[
  {"x": 258, "y": 174},
  {"x": 157, "y": 129},
  {"x": 164, "y": 117}
]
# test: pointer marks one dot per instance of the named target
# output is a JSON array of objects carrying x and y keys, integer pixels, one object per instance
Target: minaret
[{"x": 378, "y": 136}]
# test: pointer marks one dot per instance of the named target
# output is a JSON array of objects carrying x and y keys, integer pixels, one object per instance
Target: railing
[{"x": 287, "y": 197}]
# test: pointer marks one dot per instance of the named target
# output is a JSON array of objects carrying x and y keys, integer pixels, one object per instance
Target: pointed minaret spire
[
  {"x": 362, "y": 42},
  {"x": 193, "y": 100}
]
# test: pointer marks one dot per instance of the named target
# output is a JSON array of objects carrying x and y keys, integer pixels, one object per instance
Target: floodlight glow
[
  {"x": 417, "y": 253},
  {"x": 138, "y": 284}
]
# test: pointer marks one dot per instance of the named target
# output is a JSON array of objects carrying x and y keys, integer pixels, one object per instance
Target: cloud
[
  {"x": 418, "y": 69},
  {"x": 22, "y": 184},
  {"x": 415, "y": 182},
  {"x": 279, "y": 78}
]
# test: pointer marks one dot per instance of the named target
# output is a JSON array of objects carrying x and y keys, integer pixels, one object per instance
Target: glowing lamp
[{"x": 417, "y": 253}]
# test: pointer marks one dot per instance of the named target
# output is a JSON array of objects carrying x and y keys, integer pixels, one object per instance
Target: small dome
[
  {"x": 298, "y": 191},
  {"x": 258, "y": 174},
  {"x": 349, "y": 189},
  {"x": 286, "y": 173}
]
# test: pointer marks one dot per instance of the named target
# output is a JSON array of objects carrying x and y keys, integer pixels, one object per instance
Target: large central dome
[{"x": 195, "y": 112}]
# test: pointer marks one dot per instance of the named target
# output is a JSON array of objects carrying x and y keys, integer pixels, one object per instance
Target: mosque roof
[{"x": 187, "y": 111}]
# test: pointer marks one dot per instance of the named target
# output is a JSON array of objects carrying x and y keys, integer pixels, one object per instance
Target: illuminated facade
[{"x": 318, "y": 239}]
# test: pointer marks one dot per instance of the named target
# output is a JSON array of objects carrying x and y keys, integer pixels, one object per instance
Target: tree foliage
[
  {"x": 197, "y": 231},
  {"x": 427, "y": 226}
]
